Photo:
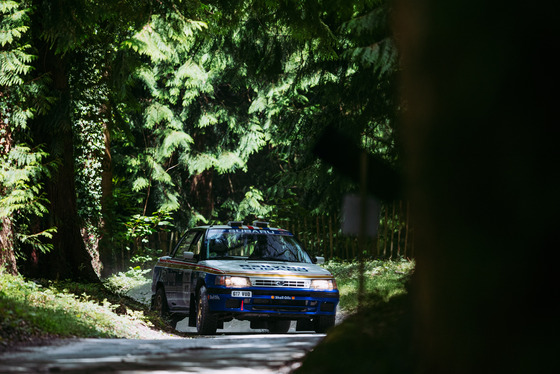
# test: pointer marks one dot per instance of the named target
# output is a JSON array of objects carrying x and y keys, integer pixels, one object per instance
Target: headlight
[
  {"x": 323, "y": 284},
  {"x": 234, "y": 282}
]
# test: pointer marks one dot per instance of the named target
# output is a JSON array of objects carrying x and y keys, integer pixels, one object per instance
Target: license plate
[{"x": 241, "y": 294}]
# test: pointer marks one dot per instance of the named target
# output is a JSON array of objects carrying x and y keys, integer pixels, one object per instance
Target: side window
[
  {"x": 196, "y": 245},
  {"x": 186, "y": 243}
]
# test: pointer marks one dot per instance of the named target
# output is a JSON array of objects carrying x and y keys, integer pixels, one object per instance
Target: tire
[
  {"x": 323, "y": 323},
  {"x": 206, "y": 323},
  {"x": 278, "y": 327},
  {"x": 160, "y": 303},
  {"x": 162, "y": 308}
]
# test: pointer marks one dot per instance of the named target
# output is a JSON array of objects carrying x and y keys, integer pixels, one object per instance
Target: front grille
[{"x": 289, "y": 283}]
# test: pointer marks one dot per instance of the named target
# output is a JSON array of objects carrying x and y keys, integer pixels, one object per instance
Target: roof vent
[
  {"x": 260, "y": 224},
  {"x": 235, "y": 223}
]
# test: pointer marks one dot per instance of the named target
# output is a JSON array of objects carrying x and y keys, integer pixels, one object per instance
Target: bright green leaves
[
  {"x": 20, "y": 176},
  {"x": 253, "y": 204},
  {"x": 13, "y": 22},
  {"x": 173, "y": 140},
  {"x": 156, "y": 113},
  {"x": 223, "y": 162},
  {"x": 165, "y": 37},
  {"x": 15, "y": 56},
  {"x": 22, "y": 196},
  {"x": 140, "y": 183}
]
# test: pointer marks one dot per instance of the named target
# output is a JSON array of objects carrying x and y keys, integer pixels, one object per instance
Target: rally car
[{"x": 247, "y": 272}]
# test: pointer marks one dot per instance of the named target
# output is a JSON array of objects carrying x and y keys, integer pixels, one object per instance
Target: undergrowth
[
  {"x": 382, "y": 279},
  {"x": 36, "y": 311}
]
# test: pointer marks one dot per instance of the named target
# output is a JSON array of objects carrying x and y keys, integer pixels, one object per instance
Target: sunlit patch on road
[{"x": 247, "y": 353}]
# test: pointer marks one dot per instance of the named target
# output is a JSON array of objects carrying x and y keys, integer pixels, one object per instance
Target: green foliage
[
  {"x": 23, "y": 197},
  {"x": 134, "y": 233},
  {"x": 251, "y": 206},
  {"x": 122, "y": 282},
  {"x": 20, "y": 175},
  {"x": 210, "y": 110},
  {"x": 14, "y": 57},
  {"x": 384, "y": 279},
  {"x": 140, "y": 227}
]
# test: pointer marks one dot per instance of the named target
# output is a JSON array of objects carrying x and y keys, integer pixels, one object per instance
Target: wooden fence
[{"x": 322, "y": 236}]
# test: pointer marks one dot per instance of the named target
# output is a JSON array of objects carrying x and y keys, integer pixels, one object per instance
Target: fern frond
[
  {"x": 140, "y": 183},
  {"x": 173, "y": 141},
  {"x": 157, "y": 113}
]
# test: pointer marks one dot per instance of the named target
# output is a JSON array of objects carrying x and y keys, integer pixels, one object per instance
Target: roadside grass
[
  {"x": 383, "y": 279},
  {"x": 34, "y": 312}
]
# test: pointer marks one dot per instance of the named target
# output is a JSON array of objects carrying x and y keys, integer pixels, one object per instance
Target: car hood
[{"x": 264, "y": 268}]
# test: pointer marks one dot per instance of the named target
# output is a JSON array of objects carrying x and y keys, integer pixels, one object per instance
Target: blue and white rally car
[{"x": 254, "y": 273}]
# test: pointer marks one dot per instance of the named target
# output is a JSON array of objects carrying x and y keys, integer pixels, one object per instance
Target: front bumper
[{"x": 288, "y": 303}]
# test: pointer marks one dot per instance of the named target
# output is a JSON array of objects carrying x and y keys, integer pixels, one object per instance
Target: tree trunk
[
  {"x": 201, "y": 189},
  {"x": 106, "y": 254},
  {"x": 69, "y": 258},
  {"x": 7, "y": 255}
]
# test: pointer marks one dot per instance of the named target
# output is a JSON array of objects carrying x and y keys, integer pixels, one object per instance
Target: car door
[{"x": 180, "y": 276}]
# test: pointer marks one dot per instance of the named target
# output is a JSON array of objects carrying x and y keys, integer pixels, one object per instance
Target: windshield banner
[{"x": 256, "y": 231}]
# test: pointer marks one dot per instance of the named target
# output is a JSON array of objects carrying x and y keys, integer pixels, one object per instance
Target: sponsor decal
[
  {"x": 265, "y": 267},
  {"x": 213, "y": 297},
  {"x": 283, "y": 297}
]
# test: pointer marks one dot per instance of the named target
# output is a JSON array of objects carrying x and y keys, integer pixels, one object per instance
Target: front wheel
[
  {"x": 206, "y": 323},
  {"x": 323, "y": 323}
]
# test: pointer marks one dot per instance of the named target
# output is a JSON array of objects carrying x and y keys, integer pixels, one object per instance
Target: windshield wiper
[
  {"x": 266, "y": 259},
  {"x": 223, "y": 258}
]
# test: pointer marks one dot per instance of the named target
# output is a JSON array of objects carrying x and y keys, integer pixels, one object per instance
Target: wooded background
[
  {"x": 123, "y": 123},
  {"x": 321, "y": 235}
]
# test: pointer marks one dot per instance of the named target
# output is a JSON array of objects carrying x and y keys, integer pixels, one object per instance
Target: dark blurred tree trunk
[{"x": 482, "y": 149}]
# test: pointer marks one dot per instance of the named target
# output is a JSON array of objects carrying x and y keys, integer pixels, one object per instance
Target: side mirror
[
  {"x": 188, "y": 255},
  {"x": 318, "y": 260}
]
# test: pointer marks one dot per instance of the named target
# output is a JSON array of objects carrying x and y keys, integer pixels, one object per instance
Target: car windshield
[{"x": 249, "y": 244}]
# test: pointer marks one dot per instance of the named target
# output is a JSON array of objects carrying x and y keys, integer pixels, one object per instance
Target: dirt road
[{"x": 236, "y": 353}]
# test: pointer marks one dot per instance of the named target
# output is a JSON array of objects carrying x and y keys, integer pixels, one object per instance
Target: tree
[
  {"x": 22, "y": 167},
  {"x": 202, "y": 111},
  {"x": 58, "y": 33}
]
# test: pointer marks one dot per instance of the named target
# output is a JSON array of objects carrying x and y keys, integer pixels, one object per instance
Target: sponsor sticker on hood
[{"x": 271, "y": 267}]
